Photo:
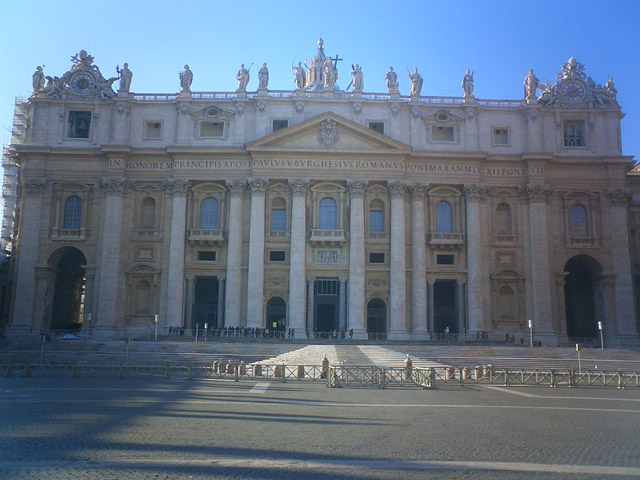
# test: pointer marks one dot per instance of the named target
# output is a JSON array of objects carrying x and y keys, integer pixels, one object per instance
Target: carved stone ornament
[
  {"x": 261, "y": 107},
  {"x": 34, "y": 185},
  {"x": 357, "y": 108},
  {"x": 123, "y": 109},
  {"x": 116, "y": 185},
  {"x": 418, "y": 191},
  {"x": 397, "y": 189},
  {"x": 475, "y": 192},
  {"x": 619, "y": 196},
  {"x": 299, "y": 107},
  {"x": 239, "y": 108},
  {"x": 357, "y": 188},
  {"x": 183, "y": 108},
  {"x": 258, "y": 186},
  {"x": 328, "y": 134},
  {"x": 415, "y": 112},
  {"x": 535, "y": 193},
  {"x": 299, "y": 187},
  {"x": 83, "y": 80},
  {"x": 176, "y": 187},
  {"x": 530, "y": 114},
  {"x": 327, "y": 257},
  {"x": 470, "y": 112},
  {"x": 377, "y": 282},
  {"x": 236, "y": 188},
  {"x": 395, "y": 109}
]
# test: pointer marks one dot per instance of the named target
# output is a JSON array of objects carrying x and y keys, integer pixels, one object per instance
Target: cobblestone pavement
[{"x": 210, "y": 428}]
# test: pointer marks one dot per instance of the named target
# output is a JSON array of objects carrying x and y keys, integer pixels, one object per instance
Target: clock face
[
  {"x": 573, "y": 91},
  {"x": 82, "y": 83}
]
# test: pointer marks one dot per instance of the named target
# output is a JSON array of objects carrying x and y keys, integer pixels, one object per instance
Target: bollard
[
  {"x": 449, "y": 374},
  {"x": 166, "y": 373},
  {"x": 230, "y": 367},
  {"x": 214, "y": 366},
  {"x": 382, "y": 379},
  {"x": 620, "y": 382},
  {"x": 243, "y": 368},
  {"x": 506, "y": 377},
  {"x": 74, "y": 371},
  {"x": 463, "y": 375},
  {"x": 27, "y": 370},
  {"x": 553, "y": 379},
  {"x": 487, "y": 372},
  {"x": 236, "y": 373},
  {"x": 10, "y": 369},
  {"x": 300, "y": 371},
  {"x": 284, "y": 373},
  {"x": 432, "y": 378},
  {"x": 189, "y": 372},
  {"x": 572, "y": 380},
  {"x": 121, "y": 372},
  {"x": 477, "y": 373},
  {"x": 324, "y": 367},
  {"x": 257, "y": 370},
  {"x": 408, "y": 367}
]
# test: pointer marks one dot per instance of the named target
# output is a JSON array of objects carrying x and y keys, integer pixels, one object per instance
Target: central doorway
[
  {"x": 444, "y": 306},
  {"x": 376, "y": 318},
  {"x": 277, "y": 316},
  {"x": 579, "y": 297},
  {"x": 205, "y": 305},
  {"x": 326, "y": 298},
  {"x": 68, "y": 297}
]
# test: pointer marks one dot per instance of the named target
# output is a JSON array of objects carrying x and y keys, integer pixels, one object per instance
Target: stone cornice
[
  {"x": 33, "y": 185},
  {"x": 619, "y": 196}
]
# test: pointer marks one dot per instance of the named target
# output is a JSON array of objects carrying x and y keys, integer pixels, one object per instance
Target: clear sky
[{"x": 498, "y": 40}]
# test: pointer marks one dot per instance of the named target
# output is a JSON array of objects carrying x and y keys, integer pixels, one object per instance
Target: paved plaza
[{"x": 153, "y": 428}]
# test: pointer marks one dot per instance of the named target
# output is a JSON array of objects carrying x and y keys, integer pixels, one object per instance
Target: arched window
[
  {"x": 376, "y": 216},
  {"x": 143, "y": 298},
  {"x": 444, "y": 217},
  {"x": 209, "y": 214},
  {"x": 72, "y": 213},
  {"x": 503, "y": 214},
  {"x": 507, "y": 304},
  {"x": 147, "y": 214},
  {"x": 278, "y": 215},
  {"x": 328, "y": 214},
  {"x": 578, "y": 221}
]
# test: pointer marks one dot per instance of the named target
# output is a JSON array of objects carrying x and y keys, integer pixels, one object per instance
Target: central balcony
[
  {"x": 206, "y": 236},
  {"x": 322, "y": 237},
  {"x": 445, "y": 240}
]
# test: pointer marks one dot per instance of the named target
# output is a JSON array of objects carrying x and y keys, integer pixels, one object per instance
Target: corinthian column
[
  {"x": 398, "y": 271},
  {"x": 356, "y": 259},
  {"x": 22, "y": 318},
  {"x": 418, "y": 272},
  {"x": 255, "y": 291},
  {"x": 177, "y": 190},
  {"x": 475, "y": 305},
  {"x": 297, "y": 257},
  {"x": 233, "y": 287},
  {"x": 538, "y": 196},
  {"x": 625, "y": 314}
]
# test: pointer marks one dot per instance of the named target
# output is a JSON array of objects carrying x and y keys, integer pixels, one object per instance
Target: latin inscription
[{"x": 364, "y": 165}]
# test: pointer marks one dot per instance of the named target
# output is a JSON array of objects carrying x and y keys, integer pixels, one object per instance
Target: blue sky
[{"x": 498, "y": 40}]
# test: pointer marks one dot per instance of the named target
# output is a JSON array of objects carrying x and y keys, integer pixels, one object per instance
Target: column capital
[
  {"x": 619, "y": 196},
  {"x": 357, "y": 188},
  {"x": 299, "y": 187},
  {"x": 397, "y": 189},
  {"x": 431, "y": 281},
  {"x": 236, "y": 187},
  {"x": 418, "y": 191},
  {"x": 177, "y": 187},
  {"x": 535, "y": 193},
  {"x": 311, "y": 280},
  {"x": 221, "y": 278},
  {"x": 258, "y": 186},
  {"x": 116, "y": 185},
  {"x": 343, "y": 280},
  {"x": 474, "y": 193},
  {"x": 460, "y": 281},
  {"x": 33, "y": 185}
]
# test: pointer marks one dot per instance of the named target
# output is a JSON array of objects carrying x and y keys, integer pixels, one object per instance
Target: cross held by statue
[{"x": 336, "y": 60}]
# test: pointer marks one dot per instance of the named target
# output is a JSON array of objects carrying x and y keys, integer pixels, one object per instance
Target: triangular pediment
[{"x": 328, "y": 133}]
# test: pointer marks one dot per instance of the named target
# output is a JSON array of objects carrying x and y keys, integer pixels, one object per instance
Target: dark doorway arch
[
  {"x": 582, "y": 272},
  {"x": 445, "y": 306},
  {"x": 376, "y": 317},
  {"x": 68, "y": 297},
  {"x": 276, "y": 314}
]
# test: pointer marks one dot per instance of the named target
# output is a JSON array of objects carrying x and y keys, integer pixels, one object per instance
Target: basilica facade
[{"x": 319, "y": 209}]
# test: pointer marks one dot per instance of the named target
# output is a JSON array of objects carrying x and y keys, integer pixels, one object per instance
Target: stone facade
[{"x": 319, "y": 209}]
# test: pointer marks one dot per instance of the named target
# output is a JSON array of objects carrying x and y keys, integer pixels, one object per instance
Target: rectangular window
[
  {"x": 376, "y": 221},
  {"x": 377, "y": 127},
  {"x": 79, "y": 122},
  {"x": 280, "y": 125},
  {"x": 152, "y": 130},
  {"x": 212, "y": 129},
  {"x": 574, "y": 133},
  {"x": 277, "y": 256},
  {"x": 376, "y": 257},
  {"x": 278, "y": 220},
  {"x": 205, "y": 256},
  {"x": 501, "y": 136},
  {"x": 327, "y": 286},
  {"x": 445, "y": 259},
  {"x": 441, "y": 134}
]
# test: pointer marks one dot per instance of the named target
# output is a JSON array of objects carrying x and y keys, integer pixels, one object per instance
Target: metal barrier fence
[{"x": 337, "y": 376}]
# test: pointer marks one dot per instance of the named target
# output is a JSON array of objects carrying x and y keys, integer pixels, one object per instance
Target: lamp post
[
  {"x": 206, "y": 325},
  {"x": 601, "y": 335},
  {"x": 579, "y": 361},
  {"x": 197, "y": 326},
  {"x": 530, "y": 334},
  {"x": 155, "y": 320}
]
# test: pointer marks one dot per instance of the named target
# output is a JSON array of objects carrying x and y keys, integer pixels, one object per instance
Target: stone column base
[
  {"x": 420, "y": 335},
  {"x": 359, "y": 334},
  {"x": 105, "y": 333},
  {"x": 398, "y": 335}
]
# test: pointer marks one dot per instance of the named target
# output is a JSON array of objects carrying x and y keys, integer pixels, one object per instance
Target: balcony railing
[
  {"x": 78, "y": 234},
  {"x": 206, "y": 236},
  {"x": 326, "y": 237},
  {"x": 145, "y": 234},
  {"x": 378, "y": 235},
  {"x": 580, "y": 242},
  {"x": 444, "y": 239},
  {"x": 506, "y": 239},
  {"x": 278, "y": 234}
]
